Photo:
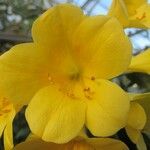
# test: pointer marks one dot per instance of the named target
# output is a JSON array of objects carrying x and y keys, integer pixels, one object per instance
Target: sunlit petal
[
  {"x": 75, "y": 144},
  {"x": 107, "y": 111},
  {"x": 23, "y": 70},
  {"x": 54, "y": 116},
  {"x": 137, "y": 116},
  {"x": 119, "y": 10},
  {"x": 100, "y": 51},
  {"x": 144, "y": 101},
  {"x": 55, "y": 27},
  {"x": 143, "y": 15}
]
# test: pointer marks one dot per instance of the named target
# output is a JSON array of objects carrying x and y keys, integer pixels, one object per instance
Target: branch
[
  {"x": 85, "y": 4},
  {"x": 4, "y": 37},
  {"x": 130, "y": 34}
]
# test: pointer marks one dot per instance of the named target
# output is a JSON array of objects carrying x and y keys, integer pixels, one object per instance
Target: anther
[
  {"x": 71, "y": 95},
  {"x": 50, "y": 79},
  {"x": 92, "y": 78},
  {"x": 88, "y": 93},
  {"x": 142, "y": 17},
  {"x": 86, "y": 89}
]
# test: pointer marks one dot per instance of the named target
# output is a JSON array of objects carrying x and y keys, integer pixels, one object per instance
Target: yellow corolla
[
  {"x": 7, "y": 114},
  {"x": 141, "y": 62},
  {"x": 136, "y": 122},
  {"x": 144, "y": 101},
  {"x": 131, "y": 13},
  {"x": 138, "y": 119},
  {"x": 75, "y": 144},
  {"x": 65, "y": 71}
]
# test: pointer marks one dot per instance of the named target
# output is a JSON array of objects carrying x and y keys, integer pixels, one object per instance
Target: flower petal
[
  {"x": 37, "y": 144},
  {"x": 2, "y": 125},
  {"x": 141, "y": 145},
  {"x": 136, "y": 137},
  {"x": 54, "y": 30},
  {"x": 75, "y": 144},
  {"x": 133, "y": 134},
  {"x": 57, "y": 26},
  {"x": 143, "y": 15},
  {"x": 100, "y": 51},
  {"x": 118, "y": 9},
  {"x": 141, "y": 62},
  {"x": 136, "y": 24},
  {"x": 144, "y": 101},
  {"x": 23, "y": 72},
  {"x": 59, "y": 118},
  {"x": 107, "y": 112},
  {"x": 7, "y": 113},
  {"x": 133, "y": 5},
  {"x": 130, "y": 13},
  {"x": 8, "y": 133},
  {"x": 137, "y": 116},
  {"x": 106, "y": 144}
]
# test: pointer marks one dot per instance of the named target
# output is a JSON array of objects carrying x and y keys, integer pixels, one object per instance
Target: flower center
[
  {"x": 74, "y": 76},
  {"x": 74, "y": 85},
  {"x": 81, "y": 89}
]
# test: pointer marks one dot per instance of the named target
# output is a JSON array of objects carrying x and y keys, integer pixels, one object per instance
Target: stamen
[
  {"x": 50, "y": 79},
  {"x": 87, "y": 89},
  {"x": 71, "y": 95},
  {"x": 67, "y": 91},
  {"x": 88, "y": 93},
  {"x": 92, "y": 78},
  {"x": 142, "y": 17}
]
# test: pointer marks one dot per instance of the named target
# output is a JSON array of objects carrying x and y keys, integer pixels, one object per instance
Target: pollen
[
  {"x": 88, "y": 93},
  {"x": 5, "y": 106},
  {"x": 71, "y": 95},
  {"x": 141, "y": 17},
  {"x": 50, "y": 79},
  {"x": 92, "y": 78}
]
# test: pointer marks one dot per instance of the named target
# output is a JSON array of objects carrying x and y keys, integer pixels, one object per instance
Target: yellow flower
[
  {"x": 136, "y": 122},
  {"x": 141, "y": 62},
  {"x": 131, "y": 13},
  {"x": 76, "y": 144},
  {"x": 7, "y": 114},
  {"x": 138, "y": 119},
  {"x": 65, "y": 71},
  {"x": 144, "y": 101}
]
